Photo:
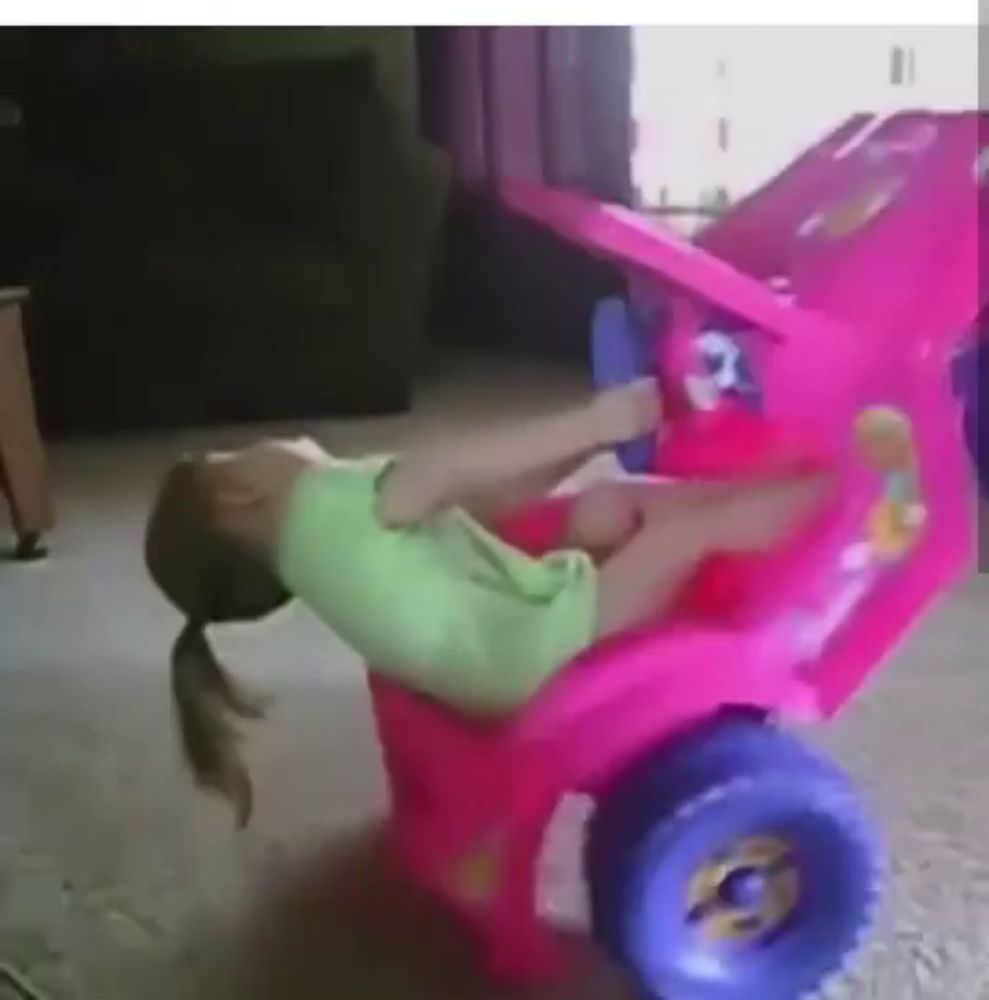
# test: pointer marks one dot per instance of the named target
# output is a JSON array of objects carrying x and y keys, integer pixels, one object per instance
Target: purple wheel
[
  {"x": 737, "y": 864},
  {"x": 619, "y": 355}
]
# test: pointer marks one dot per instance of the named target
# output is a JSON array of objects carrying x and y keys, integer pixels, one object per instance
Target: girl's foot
[{"x": 626, "y": 412}]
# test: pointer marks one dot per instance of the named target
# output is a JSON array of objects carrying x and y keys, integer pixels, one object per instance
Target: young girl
[{"x": 395, "y": 557}]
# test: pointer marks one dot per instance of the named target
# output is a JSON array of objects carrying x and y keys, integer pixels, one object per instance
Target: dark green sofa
[{"x": 248, "y": 241}]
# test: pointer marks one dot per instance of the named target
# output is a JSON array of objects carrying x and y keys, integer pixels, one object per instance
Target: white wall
[{"x": 778, "y": 89}]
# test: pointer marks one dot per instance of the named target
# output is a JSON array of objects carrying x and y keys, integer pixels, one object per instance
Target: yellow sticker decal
[
  {"x": 848, "y": 216},
  {"x": 885, "y": 438},
  {"x": 477, "y": 875}
]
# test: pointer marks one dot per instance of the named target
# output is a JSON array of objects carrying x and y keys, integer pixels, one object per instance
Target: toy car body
[{"x": 722, "y": 860}]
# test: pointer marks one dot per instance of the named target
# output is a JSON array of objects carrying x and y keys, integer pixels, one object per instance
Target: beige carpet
[{"x": 118, "y": 881}]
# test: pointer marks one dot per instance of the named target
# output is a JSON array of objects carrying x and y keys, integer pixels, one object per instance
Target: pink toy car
[{"x": 710, "y": 852}]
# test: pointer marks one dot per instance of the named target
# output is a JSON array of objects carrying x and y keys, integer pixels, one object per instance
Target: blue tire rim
[
  {"x": 825, "y": 873},
  {"x": 689, "y": 810}
]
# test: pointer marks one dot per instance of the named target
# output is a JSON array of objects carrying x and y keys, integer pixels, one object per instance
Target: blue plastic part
[
  {"x": 619, "y": 355},
  {"x": 972, "y": 385},
  {"x": 744, "y": 889},
  {"x": 679, "y": 809}
]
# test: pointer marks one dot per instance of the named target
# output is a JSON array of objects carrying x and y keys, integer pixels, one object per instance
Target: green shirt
[{"x": 443, "y": 606}]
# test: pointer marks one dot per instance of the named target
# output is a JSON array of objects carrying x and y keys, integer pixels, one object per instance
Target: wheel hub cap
[{"x": 745, "y": 894}]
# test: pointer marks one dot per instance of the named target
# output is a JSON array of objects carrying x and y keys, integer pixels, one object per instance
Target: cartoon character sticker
[
  {"x": 885, "y": 438},
  {"x": 725, "y": 371}
]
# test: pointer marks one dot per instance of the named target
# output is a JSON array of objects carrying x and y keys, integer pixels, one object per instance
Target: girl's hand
[{"x": 626, "y": 412}]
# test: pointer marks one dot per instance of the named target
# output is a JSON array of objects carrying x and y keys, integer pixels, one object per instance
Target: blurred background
[
  {"x": 315, "y": 204},
  {"x": 761, "y": 95},
  {"x": 209, "y": 234}
]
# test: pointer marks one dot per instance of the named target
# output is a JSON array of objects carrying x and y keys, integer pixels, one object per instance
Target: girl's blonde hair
[{"x": 211, "y": 577}]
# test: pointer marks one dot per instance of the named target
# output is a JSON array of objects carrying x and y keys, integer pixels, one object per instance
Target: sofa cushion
[
  {"x": 273, "y": 273},
  {"x": 254, "y": 149}
]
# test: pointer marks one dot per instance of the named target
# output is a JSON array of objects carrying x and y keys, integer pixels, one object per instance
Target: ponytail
[{"x": 207, "y": 702}]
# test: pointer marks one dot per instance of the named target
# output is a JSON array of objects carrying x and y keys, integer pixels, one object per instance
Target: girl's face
[
  {"x": 301, "y": 447},
  {"x": 265, "y": 468},
  {"x": 248, "y": 487}
]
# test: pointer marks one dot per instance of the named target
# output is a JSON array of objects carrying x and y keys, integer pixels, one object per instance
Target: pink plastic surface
[{"x": 874, "y": 234}]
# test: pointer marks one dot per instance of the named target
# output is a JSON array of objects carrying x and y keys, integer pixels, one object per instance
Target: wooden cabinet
[{"x": 23, "y": 471}]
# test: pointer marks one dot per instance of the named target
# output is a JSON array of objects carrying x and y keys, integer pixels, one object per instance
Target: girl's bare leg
[
  {"x": 493, "y": 502},
  {"x": 501, "y": 467},
  {"x": 641, "y": 580},
  {"x": 607, "y": 515}
]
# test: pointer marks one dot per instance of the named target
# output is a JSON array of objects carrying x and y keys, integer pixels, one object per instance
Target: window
[{"x": 720, "y": 110}]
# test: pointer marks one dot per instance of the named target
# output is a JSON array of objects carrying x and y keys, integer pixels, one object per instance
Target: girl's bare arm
[{"x": 428, "y": 479}]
